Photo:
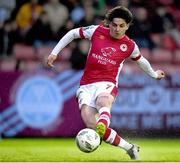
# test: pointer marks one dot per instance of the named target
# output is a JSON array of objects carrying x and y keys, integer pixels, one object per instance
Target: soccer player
[{"x": 98, "y": 86}]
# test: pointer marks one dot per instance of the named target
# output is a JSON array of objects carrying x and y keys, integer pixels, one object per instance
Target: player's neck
[{"x": 118, "y": 37}]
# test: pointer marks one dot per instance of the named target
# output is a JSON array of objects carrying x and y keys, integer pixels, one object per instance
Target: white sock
[{"x": 124, "y": 144}]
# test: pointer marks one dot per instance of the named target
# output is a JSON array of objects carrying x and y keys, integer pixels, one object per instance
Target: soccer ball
[{"x": 87, "y": 140}]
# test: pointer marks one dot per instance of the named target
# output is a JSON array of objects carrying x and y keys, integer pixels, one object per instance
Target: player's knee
[{"x": 104, "y": 101}]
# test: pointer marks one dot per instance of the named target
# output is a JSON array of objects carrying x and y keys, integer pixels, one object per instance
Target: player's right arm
[
  {"x": 66, "y": 39},
  {"x": 83, "y": 32}
]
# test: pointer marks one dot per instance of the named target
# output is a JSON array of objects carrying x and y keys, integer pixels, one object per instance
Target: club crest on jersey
[
  {"x": 123, "y": 47},
  {"x": 107, "y": 51}
]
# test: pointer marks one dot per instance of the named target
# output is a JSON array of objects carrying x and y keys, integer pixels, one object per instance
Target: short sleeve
[
  {"x": 87, "y": 32},
  {"x": 135, "y": 55}
]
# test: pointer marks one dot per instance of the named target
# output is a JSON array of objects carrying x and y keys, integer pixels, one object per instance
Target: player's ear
[{"x": 127, "y": 26}]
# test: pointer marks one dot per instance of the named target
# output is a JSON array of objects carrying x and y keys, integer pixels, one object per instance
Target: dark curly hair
[{"x": 118, "y": 12}]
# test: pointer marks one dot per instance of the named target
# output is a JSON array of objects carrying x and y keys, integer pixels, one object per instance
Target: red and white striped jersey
[{"x": 106, "y": 54}]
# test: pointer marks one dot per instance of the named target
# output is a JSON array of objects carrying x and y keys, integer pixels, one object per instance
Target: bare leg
[{"x": 88, "y": 115}]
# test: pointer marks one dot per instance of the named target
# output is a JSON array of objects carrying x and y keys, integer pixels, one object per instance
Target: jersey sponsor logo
[
  {"x": 108, "y": 51},
  {"x": 103, "y": 60},
  {"x": 123, "y": 47}
]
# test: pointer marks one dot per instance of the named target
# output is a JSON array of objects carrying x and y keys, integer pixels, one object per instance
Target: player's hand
[
  {"x": 160, "y": 74},
  {"x": 50, "y": 60}
]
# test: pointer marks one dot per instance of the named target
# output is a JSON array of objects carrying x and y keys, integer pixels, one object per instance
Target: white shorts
[{"x": 87, "y": 94}]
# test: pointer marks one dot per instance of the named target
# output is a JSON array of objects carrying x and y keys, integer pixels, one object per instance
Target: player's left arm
[{"x": 144, "y": 64}]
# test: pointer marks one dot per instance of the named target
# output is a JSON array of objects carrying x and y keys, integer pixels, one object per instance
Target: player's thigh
[
  {"x": 104, "y": 99},
  {"x": 85, "y": 96},
  {"x": 88, "y": 115}
]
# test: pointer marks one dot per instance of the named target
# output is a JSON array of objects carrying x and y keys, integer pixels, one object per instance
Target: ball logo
[
  {"x": 39, "y": 101},
  {"x": 123, "y": 47}
]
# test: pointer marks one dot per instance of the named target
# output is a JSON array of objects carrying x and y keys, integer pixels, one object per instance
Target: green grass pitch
[{"x": 65, "y": 150}]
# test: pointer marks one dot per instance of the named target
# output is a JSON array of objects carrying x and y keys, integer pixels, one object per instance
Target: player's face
[{"x": 118, "y": 28}]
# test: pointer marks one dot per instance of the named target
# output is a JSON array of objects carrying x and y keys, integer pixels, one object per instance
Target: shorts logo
[
  {"x": 123, "y": 47},
  {"x": 108, "y": 86},
  {"x": 39, "y": 102},
  {"x": 108, "y": 51}
]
